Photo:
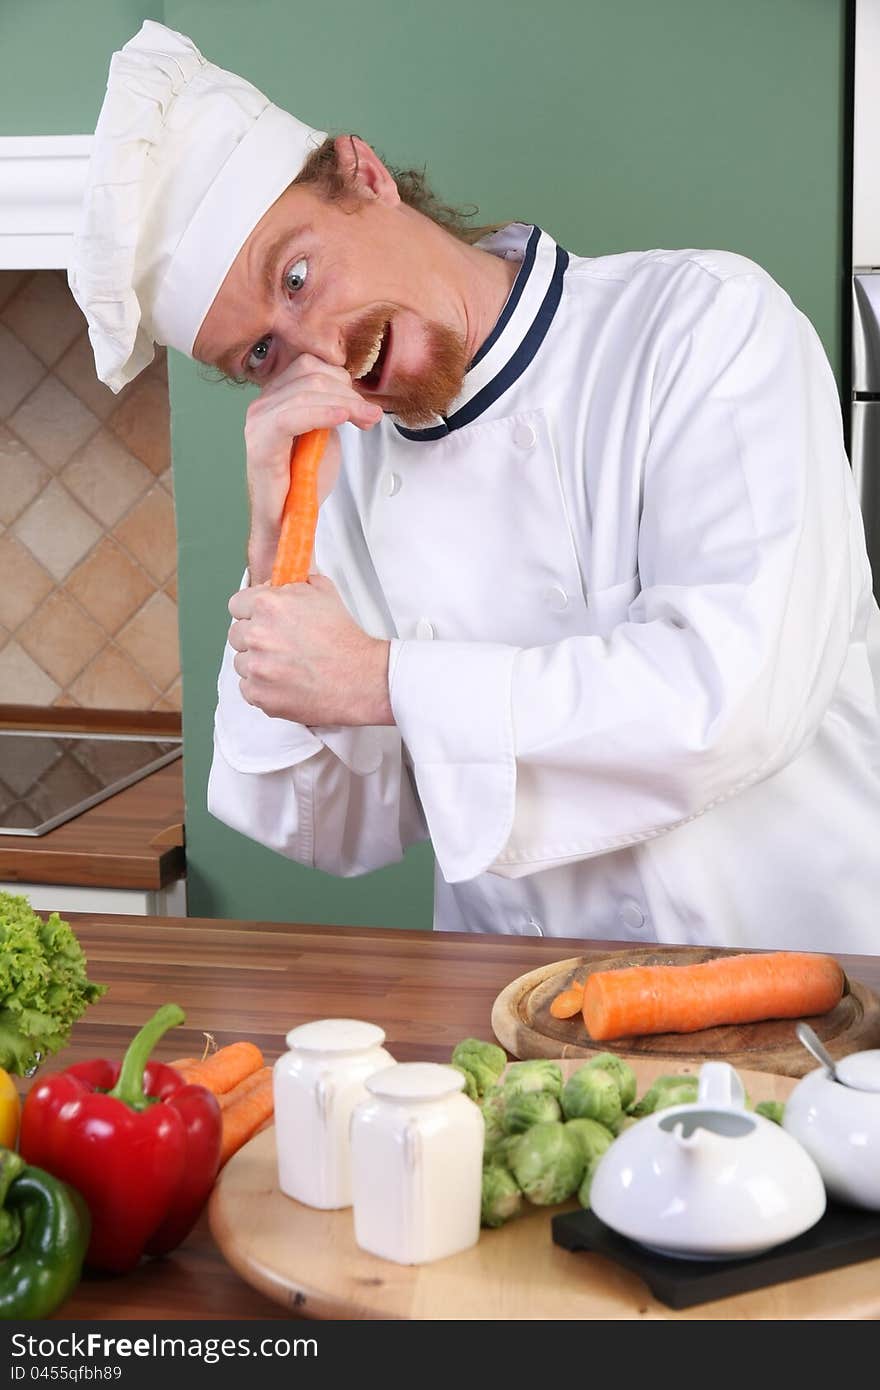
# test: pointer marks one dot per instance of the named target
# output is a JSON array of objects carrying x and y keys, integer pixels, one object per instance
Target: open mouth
[{"x": 370, "y": 375}]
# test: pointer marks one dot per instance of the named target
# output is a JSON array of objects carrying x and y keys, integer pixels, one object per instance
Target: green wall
[
  {"x": 53, "y": 60},
  {"x": 638, "y": 124}
]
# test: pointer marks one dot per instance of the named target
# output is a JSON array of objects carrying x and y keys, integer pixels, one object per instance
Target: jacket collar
[{"x": 519, "y": 331}]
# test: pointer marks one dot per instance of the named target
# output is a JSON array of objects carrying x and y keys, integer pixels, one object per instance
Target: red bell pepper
[{"x": 141, "y": 1146}]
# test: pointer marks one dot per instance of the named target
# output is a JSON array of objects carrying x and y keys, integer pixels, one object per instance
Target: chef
[{"x": 591, "y": 608}]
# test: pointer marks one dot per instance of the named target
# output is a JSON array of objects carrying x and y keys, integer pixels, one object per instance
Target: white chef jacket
[{"x": 634, "y": 659}]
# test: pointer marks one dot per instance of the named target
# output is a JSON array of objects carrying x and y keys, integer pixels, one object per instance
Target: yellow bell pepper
[{"x": 10, "y": 1111}]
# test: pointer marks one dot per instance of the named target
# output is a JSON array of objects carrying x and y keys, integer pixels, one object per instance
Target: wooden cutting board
[
  {"x": 522, "y": 1022},
  {"x": 308, "y": 1261}
]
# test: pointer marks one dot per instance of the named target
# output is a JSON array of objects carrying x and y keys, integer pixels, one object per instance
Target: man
[{"x": 591, "y": 607}]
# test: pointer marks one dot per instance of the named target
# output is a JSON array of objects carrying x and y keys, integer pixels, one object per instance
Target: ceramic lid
[
  {"x": 860, "y": 1070},
  {"x": 337, "y": 1035},
  {"x": 415, "y": 1081}
]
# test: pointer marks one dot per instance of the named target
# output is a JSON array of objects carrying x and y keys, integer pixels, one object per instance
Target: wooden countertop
[
  {"x": 127, "y": 841},
  {"x": 258, "y": 980}
]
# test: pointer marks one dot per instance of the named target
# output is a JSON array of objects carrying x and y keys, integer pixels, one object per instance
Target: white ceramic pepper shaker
[
  {"x": 417, "y": 1159},
  {"x": 316, "y": 1086}
]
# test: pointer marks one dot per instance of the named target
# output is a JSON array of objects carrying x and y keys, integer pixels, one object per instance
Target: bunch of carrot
[{"x": 238, "y": 1077}]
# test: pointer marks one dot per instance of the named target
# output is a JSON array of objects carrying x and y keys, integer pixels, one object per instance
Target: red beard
[{"x": 416, "y": 398}]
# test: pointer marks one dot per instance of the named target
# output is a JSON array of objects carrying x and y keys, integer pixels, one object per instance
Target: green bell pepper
[{"x": 44, "y": 1233}]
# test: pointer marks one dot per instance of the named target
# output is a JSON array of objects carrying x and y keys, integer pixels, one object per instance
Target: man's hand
[
  {"x": 307, "y": 395},
  {"x": 301, "y": 656}
]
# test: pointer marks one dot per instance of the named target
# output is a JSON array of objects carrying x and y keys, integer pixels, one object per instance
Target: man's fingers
[
  {"x": 243, "y": 603},
  {"x": 317, "y": 410},
  {"x": 304, "y": 365},
  {"x": 236, "y": 638}
]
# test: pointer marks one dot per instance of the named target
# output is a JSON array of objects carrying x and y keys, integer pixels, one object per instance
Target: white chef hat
[{"x": 186, "y": 160}]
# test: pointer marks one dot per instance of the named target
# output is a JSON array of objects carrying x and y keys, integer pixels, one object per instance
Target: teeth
[{"x": 372, "y": 357}]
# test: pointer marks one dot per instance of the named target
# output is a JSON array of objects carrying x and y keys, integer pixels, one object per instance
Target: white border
[{"x": 42, "y": 179}]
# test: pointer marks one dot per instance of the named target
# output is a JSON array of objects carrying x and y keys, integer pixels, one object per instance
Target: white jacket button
[
  {"x": 632, "y": 916},
  {"x": 390, "y": 483},
  {"x": 557, "y": 598},
  {"x": 424, "y": 630},
  {"x": 524, "y": 436}
]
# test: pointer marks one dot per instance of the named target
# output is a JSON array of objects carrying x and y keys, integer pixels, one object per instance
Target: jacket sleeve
[
  {"x": 338, "y": 799},
  {"x": 728, "y": 657}
]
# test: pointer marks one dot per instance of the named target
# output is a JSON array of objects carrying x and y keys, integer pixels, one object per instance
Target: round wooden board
[
  {"x": 307, "y": 1260},
  {"x": 522, "y": 1022}
]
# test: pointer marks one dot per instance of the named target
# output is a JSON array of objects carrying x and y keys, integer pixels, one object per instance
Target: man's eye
[
  {"x": 258, "y": 354},
  {"x": 295, "y": 276}
]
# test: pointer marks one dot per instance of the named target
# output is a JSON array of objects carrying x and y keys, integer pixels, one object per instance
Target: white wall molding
[
  {"x": 42, "y": 180},
  {"x": 866, "y": 116}
]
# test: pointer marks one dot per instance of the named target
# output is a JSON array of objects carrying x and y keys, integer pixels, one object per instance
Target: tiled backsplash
[{"x": 88, "y": 550}]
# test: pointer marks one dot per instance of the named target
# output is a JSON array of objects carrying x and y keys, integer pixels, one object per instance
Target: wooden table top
[
  {"x": 127, "y": 841},
  {"x": 257, "y": 981}
]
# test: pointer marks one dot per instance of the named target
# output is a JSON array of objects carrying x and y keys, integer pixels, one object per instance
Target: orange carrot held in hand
[
  {"x": 569, "y": 1002},
  {"x": 242, "y": 1120},
  {"x": 299, "y": 519},
  {"x": 225, "y": 1068},
  {"x": 731, "y": 989}
]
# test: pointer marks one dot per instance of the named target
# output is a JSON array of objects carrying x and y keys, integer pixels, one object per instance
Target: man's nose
[{"x": 322, "y": 340}]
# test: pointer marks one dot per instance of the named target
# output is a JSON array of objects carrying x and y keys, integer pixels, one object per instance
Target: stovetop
[{"x": 47, "y": 778}]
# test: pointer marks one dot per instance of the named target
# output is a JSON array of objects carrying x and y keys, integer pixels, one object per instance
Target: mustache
[{"x": 362, "y": 337}]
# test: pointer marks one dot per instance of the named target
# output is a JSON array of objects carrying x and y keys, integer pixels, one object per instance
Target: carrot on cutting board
[
  {"x": 242, "y": 1120},
  {"x": 225, "y": 1068},
  {"x": 731, "y": 989},
  {"x": 569, "y": 1002},
  {"x": 299, "y": 519}
]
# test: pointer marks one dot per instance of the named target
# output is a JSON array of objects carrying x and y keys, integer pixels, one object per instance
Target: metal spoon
[{"x": 810, "y": 1041}]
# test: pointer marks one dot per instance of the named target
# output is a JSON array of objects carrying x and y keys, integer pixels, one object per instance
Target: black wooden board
[{"x": 844, "y": 1236}]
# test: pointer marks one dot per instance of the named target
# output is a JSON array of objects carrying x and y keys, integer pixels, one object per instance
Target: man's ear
[{"x": 364, "y": 171}]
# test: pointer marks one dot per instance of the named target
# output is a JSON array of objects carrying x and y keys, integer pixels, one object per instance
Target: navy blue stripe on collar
[
  {"x": 513, "y": 298},
  {"x": 511, "y": 371}
]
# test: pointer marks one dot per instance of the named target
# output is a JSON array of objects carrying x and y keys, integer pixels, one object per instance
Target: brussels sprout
[
  {"x": 535, "y": 1075},
  {"x": 591, "y": 1093},
  {"x": 771, "y": 1110},
  {"x": 493, "y": 1103},
  {"x": 621, "y": 1071},
  {"x": 484, "y": 1061},
  {"x": 535, "y": 1107},
  {"x": 492, "y": 1106},
  {"x": 547, "y": 1162},
  {"x": 666, "y": 1091},
  {"x": 499, "y": 1156},
  {"x": 593, "y": 1138},
  {"x": 587, "y": 1182},
  {"x": 501, "y": 1198},
  {"x": 470, "y": 1085},
  {"x": 625, "y": 1122}
]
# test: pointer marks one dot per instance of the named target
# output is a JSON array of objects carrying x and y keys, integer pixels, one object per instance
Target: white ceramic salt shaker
[
  {"x": 316, "y": 1086},
  {"x": 416, "y": 1164}
]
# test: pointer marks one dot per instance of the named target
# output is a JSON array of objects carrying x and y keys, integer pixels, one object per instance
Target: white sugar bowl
[
  {"x": 838, "y": 1123},
  {"x": 709, "y": 1180},
  {"x": 316, "y": 1085}
]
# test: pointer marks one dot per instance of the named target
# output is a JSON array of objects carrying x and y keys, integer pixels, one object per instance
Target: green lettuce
[{"x": 44, "y": 988}]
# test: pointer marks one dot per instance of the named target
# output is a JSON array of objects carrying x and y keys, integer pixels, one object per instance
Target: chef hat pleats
[{"x": 186, "y": 160}]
